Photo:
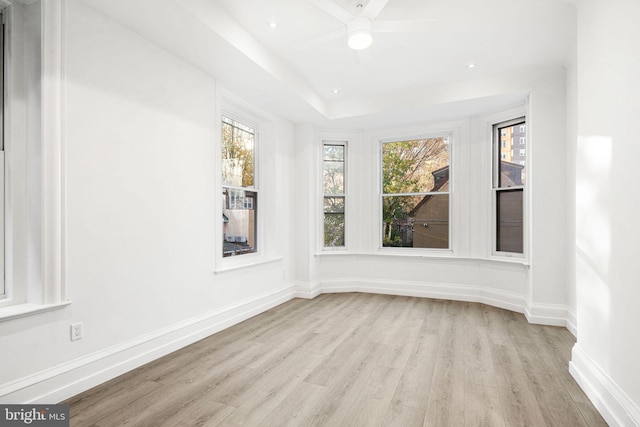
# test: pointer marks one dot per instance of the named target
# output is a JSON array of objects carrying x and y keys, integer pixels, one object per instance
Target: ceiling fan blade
[
  {"x": 373, "y": 8},
  {"x": 333, "y": 35},
  {"x": 333, "y": 9},
  {"x": 404, "y": 26}
]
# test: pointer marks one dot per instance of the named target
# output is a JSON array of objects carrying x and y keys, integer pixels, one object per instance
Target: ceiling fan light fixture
[{"x": 360, "y": 33}]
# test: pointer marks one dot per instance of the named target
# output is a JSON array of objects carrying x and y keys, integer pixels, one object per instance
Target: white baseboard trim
[
  {"x": 307, "y": 290},
  {"x": 70, "y": 378},
  {"x": 73, "y": 377},
  {"x": 548, "y": 314},
  {"x": 542, "y": 314},
  {"x": 572, "y": 322},
  {"x": 615, "y": 406},
  {"x": 497, "y": 298}
]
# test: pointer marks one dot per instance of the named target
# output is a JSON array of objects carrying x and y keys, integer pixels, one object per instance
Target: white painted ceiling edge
[{"x": 203, "y": 34}]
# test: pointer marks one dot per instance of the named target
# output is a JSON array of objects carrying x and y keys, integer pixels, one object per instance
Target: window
[
  {"x": 334, "y": 193},
  {"x": 248, "y": 203},
  {"x": 33, "y": 238},
  {"x": 415, "y": 193},
  {"x": 523, "y": 128},
  {"x": 522, "y": 152},
  {"x": 522, "y": 140},
  {"x": 3, "y": 292},
  {"x": 239, "y": 191},
  {"x": 509, "y": 181}
]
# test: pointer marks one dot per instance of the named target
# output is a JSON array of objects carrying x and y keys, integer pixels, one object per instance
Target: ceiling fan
[{"x": 359, "y": 27}]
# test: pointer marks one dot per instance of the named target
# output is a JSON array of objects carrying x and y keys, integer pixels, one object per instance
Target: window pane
[
  {"x": 333, "y": 221},
  {"x": 512, "y": 154},
  {"x": 238, "y": 143},
  {"x": 416, "y": 221},
  {"x": 334, "y": 204},
  {"x": 417, "y": 166},
  {"x": 333, "y": 152},
  {"x": 333, "y": 229},
  {"x": 333, "y": 177},
  {"x": 509, "y": 221},
  {"x": 239, "y": 221}
]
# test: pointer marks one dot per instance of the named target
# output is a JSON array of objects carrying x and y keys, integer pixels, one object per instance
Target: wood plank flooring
[{"x": 355, "y": 360}]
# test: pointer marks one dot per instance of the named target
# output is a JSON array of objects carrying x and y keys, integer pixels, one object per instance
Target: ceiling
[{"x": 281, "y": 70}]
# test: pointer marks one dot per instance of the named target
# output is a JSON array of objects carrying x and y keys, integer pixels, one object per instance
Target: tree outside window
[{"x": 415, "y": 193}]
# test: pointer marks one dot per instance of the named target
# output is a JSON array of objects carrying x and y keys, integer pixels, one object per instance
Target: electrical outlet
[{"x": 76, "y": 331}]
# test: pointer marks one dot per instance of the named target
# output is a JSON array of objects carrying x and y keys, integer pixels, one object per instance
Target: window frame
[
  {"x": 255, "y": 188},
  {"x": 3, "y": 100},
  {"x": 344, "y": 195},
  {"x": 495, "y": 189},
  {"x": 230, "y": 105},
  {"x": 449, "y": 134},
  {"x": 48, "y": 292}
]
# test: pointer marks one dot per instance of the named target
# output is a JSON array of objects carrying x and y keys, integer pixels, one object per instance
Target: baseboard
[
  {"x": 548, "y": 314},
  {"x": 572, "y": 322},
  {"x": 73, "y": 377},
  {"x": 613, "y": 404},
  {"x": 543, "y": 314},
  {"x": 307, "y": 290},
  {"x": 503, "y": 299}
]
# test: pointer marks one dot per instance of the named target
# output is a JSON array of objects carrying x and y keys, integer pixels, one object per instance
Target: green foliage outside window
[{"x": 407, "y": 168}]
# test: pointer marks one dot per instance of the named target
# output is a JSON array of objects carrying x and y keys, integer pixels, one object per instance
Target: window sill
[
  {"x": 443, "y": 256},
  {"x": 23, "y": 310},
  {"x": 250, "y": 263},
  {"x": 509, "y": 259}
]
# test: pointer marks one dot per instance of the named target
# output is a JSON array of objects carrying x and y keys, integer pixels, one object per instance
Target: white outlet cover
[{"x": 76, "y": 331}]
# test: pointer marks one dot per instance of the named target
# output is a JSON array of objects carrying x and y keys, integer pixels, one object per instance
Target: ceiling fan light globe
[
  {"x": 360, "y": 33},
  {"x": 360, "y": 40}
]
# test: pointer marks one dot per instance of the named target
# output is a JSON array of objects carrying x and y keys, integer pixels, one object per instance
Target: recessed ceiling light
[
  {"x": 273, "y": 24},
  {"x": 471, "y": 65},
  {"x": 336, "y": 91}
]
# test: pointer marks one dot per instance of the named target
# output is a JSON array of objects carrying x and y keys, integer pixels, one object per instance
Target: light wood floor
[{"x": 355, "y": 360}]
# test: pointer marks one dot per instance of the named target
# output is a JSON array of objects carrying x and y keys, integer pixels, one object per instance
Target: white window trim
[
  {"x": 505, "y": 117},
  {"x": 52, "y": 294},
  {"x": 444, "y": 131},
  {"x": 345, "y": 143},
  {"x": 234, "y": 107}
]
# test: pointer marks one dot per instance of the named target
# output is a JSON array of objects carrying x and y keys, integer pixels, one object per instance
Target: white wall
[
  {"x": 469, "y": 272},
  {"x": 139, "y": 136},
  {"x": 605, "y": 358}
]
